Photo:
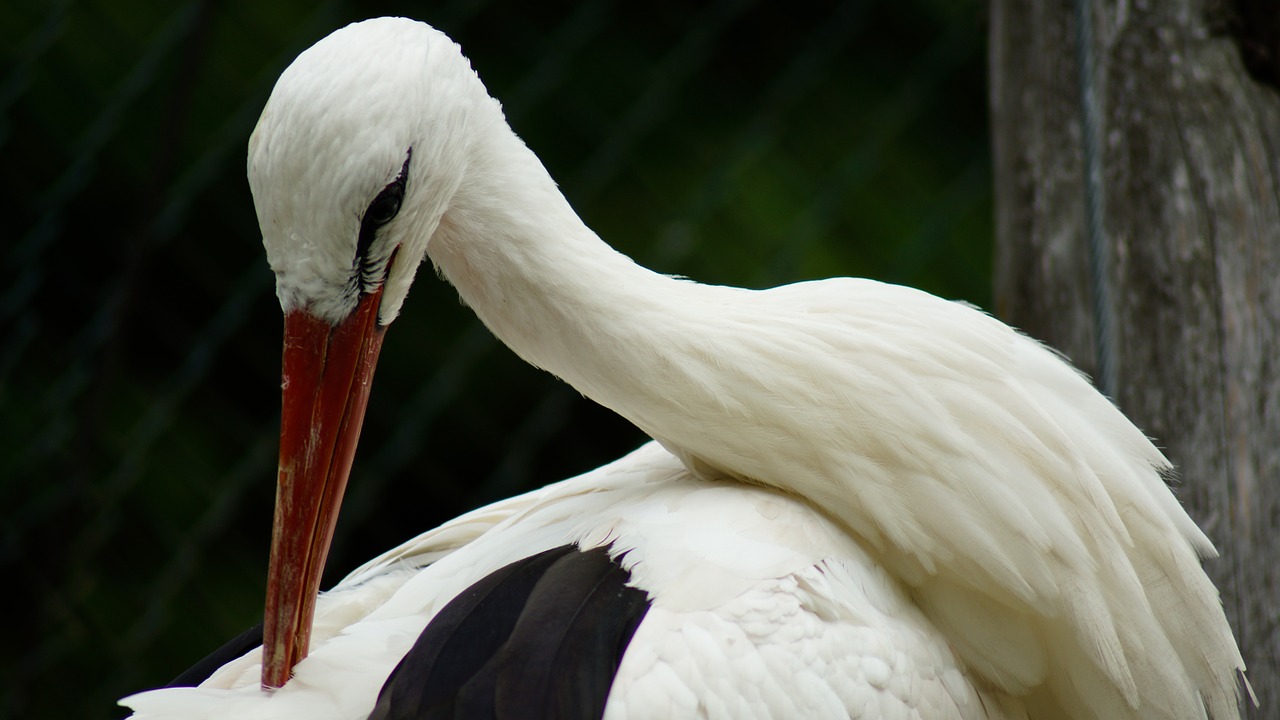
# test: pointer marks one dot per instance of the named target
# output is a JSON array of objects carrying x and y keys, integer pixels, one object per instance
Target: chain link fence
[{"x": 733, "y": 141}]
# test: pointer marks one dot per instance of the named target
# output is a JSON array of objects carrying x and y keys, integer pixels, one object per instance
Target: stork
[{"x": 860, "y": 500}]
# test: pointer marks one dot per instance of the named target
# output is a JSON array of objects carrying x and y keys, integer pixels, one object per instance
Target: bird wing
[
  {"x": 760, "y": 607},
  {"x": 1029, "y": 517}
]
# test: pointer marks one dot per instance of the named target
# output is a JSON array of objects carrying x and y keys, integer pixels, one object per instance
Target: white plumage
[
  {"x": 763, "y": 608},
  {"x": 871, "y": 502}
]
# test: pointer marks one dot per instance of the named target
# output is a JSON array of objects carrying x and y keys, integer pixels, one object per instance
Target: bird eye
[
  {"x": 383, "y": 209},
  {"x": 387, "y": 205}
]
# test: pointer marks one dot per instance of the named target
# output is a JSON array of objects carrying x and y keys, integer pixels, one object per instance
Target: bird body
[
  {"x": 861, "y": 496},
  {"x": 748, "y": 583}
]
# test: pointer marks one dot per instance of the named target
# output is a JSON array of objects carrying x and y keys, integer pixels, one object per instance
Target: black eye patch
[{"x": 383, "y": 209}]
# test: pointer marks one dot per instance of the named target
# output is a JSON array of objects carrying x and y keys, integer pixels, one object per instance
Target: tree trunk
[{"x": 1189, "y": 147}]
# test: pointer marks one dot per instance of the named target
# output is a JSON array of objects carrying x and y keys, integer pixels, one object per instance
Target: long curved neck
[{"x": 538, "y": 277}]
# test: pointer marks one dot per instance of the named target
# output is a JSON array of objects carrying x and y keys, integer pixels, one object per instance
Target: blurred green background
[{"x": 732, "y": 141}]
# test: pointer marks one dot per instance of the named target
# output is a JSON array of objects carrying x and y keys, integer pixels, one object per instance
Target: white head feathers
[{"x": 339, "y": 126}]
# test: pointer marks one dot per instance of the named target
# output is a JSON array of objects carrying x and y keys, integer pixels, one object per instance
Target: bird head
[{"x": 362, "y": 144}]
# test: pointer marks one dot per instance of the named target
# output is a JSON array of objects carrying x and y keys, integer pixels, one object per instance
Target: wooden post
[{"x": 1189, "y": 143}]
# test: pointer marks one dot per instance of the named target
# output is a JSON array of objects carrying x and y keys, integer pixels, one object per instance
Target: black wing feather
[
  {"x": 570, "y": 638},
  {"x": 540, "y": 638}
]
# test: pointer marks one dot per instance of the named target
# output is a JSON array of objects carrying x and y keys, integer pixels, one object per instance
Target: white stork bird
[{"x": 862, "y": 501}]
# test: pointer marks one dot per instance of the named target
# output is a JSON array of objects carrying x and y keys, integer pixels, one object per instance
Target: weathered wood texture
[{"x": 1190, "y": 152}]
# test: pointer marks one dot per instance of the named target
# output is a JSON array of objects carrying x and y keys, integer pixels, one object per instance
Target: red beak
[{"x": 327, "y": 373}]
